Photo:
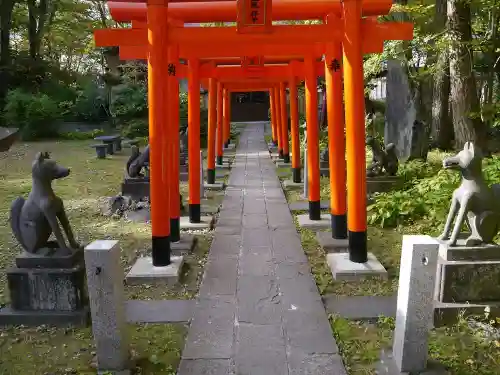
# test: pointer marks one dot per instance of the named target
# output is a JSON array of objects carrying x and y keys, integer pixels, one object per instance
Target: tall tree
[
  {"x": 441, "y": 124},
  {"x": 6, "y": 8},
  {"x": 39, "y": 14},
  {"x": 465, "y": 106}
]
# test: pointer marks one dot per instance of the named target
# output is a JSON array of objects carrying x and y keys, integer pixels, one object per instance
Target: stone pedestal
[
  {"x": 136, "y": 188},
  {"x": 289, "y": 184},
  {"x": 143, "y": 272},
  {"x": 45, "y": 292},
  {"x": 382, "y": 184},
  {"x": 330, "y": 244},
  {"x": 345, "y": 270},
  {"x": 468, "y": 274},
  {"x": 183, "y": 168},
  {"x": 107, "y": 301},
  {"x": 314, "y": 225}
]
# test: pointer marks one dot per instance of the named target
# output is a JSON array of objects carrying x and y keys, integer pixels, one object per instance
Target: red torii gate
[{"x": 340, "y": 37}]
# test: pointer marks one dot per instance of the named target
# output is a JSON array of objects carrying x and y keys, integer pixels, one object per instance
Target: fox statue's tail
[
  {"x": 15, "y": 218},
  {"x": 496, "y": 191}
]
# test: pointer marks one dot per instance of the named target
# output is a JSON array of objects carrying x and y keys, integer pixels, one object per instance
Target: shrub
[
  {"x": 34, "y": 114},
  {"x": 423, "y": 198},
  {"x": 130, "y": 101},
  {"x": 136, "y": 128},
  {"x": 81, "y": 136},
  {"x": 90, "y": 103}
]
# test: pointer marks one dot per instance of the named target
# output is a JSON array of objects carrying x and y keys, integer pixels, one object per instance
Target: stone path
[{"x": 259, "y": 311}]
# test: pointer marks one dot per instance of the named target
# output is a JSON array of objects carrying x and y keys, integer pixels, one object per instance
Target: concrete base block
[
  {"x": 13, "y": 317},
  {"x": 289, "y": 184},
  {"x": 223, "y": 166},
  {"x": 304, "y": 206},
  {"x": 186, "y": 245},
  {"x": 306, "y": 223},
  {"x": 387, "y": 366},
  {"x": 345, "y": 270},
  {"x": 282, "y": 164},
  {"x": 143, "y": 272},
  {"x": 217, "y": 186},
  {"x": 206, "y": 222},
  {"x": 114, "y": 372},
  {"x": 330, "y": 244}
]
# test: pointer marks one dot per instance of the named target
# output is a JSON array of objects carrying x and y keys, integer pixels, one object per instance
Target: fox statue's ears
[
  {"x": 469, "y": 146},
  {"x": 41, "y": 156}
]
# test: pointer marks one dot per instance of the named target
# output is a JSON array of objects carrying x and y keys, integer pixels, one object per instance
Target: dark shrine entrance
[{"x": 249, "y": 106}]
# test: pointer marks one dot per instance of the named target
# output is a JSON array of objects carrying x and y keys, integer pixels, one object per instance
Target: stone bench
[
  {"x": 132, "y": 142},
  {"x": 100, "y": 150},
  {"x": 113, "y": 142}
]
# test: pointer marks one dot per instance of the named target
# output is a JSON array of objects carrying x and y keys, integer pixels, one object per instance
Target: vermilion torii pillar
[
  {"x": 227, "y": 117},
  {"x": 273, "y": 117},
  {"x": 294, "y": 125},
  {"x": 212, "y": 129},
  {"x": 173, "y": 157},
  {"x": 312, "y": 140},
  {"x": 284, "y": 123},
  {"x": 194, "y": 141},
  {"x": 220, "y": 124},
  {"x": 336, "y": 139},
  {"x": 159, "y": 132},
  {"x": 277, "y": 111},
  {"x": 355, "y": 131}
]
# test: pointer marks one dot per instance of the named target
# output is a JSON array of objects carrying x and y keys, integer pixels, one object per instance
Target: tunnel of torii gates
[{"x": 255, "y": 55}]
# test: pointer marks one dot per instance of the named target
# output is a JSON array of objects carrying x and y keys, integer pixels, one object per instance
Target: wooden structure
[{"x": 256, "y": 55}]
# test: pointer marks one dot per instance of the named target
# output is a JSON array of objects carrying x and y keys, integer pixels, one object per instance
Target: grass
[
  {"x": 44, "y": 350},
  {"x": 463, "y": 350}
]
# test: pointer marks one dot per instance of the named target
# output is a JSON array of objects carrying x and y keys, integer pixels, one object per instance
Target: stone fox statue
[
  {"x": 473, "y": 202},
  {"x": 33, "y": 220},
  {"x": 137, "y": 162}
]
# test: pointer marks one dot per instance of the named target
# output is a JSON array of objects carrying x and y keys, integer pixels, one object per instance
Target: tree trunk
[
  {"x": 37, "y": 17},
  {"x": 464, "y": 99},
  {"x": 6, "y": 8},
  {"x": 441, "y": 124}
]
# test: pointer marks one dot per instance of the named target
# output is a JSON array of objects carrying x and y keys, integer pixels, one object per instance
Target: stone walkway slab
[{"x": 258, "y": 311}]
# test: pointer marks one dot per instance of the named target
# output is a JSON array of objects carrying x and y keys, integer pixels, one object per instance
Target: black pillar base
[
  {"x": 194, "y": 213},
  {"x": 226, "y": 145},
  {"x": 280, "y": 154},
  {"x": 175, "y": 229},
  {"x": 286, "y": 158},
  {"x": 315, "y": 210},
  {"x": 358, "y": 252},
  {"x": 161, "y": 251},
  {"x": 296, "y": 175},
  {"x": 211, "y": 176},
  {"x": 220, "y": 160},
  {"x": 339, "y": 226},
  {"x": 275, "y": 142}
]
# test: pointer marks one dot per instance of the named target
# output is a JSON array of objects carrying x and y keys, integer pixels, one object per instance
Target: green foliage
[
  {"x": 34, "y": 114},
  {"x": 136, "y": 128},
  {"x": 89, "y": 104},
  {"x": 426, "y": 195},
  {"x": 130, "y": 101},
  {"x": 81, "y": 136}
]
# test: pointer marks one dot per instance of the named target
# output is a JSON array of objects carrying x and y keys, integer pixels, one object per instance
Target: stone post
[
  {"x": 306, "y": 179},
  {"x": 202, "y": 186},
  {"x": 415, "y": 306},
  {"x": 107, "y": 305}
]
